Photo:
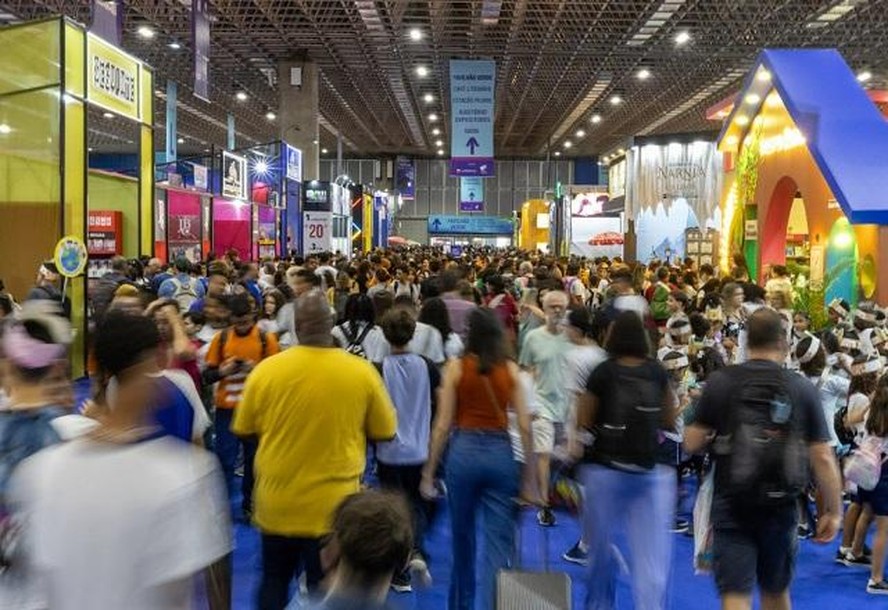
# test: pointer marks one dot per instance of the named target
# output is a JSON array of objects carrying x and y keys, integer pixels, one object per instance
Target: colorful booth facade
[
  {"x": 53, "y": 72},
  {"x": 804, "y": 141}
]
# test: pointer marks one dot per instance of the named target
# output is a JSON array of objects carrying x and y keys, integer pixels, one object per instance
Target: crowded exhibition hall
[{"x": 443, "y": 304}]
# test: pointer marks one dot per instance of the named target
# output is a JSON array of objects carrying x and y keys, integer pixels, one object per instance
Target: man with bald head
[
  {"x": 545, "y": 355},
  {"x": 313, "y": 409}
]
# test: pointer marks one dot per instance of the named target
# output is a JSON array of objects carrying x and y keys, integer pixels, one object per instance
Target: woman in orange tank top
[{"x": 482, "y": 475}]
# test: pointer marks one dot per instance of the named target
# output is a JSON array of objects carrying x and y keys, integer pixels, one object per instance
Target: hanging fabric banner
[
  {"x": 200, "y": 33},
  {"x": 471, "y": 194},
  {"x": 666, "y": 173},
  {"x": 406, "y": 177},
  {"x": 472, "y": 85},
  {"x": 107, "y": 20}
]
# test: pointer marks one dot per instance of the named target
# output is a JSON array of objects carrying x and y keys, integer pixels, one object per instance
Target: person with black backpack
[
  {"x": 627, "y": 401},
  {"x": 765, "y": 425},
  {"x": 358, "y": 334}
]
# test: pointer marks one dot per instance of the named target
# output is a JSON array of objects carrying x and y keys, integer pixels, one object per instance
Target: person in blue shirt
[{"x": 182, "y": 288}]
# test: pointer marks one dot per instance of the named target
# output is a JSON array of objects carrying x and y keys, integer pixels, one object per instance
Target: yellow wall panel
[{"x": 75, "y": 53}]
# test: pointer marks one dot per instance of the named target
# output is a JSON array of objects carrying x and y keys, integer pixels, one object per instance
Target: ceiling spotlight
[
  {"x": 436, "y": 132},
  {"x": 241, "y": 96},
  {"x": 5, "y": 129},
  {"x": 682, "y": 38},
  {"x": 315, "y": 141},
  {"x": 741, "y": 119},
  {"x": 422, "y": 71},
  {"x": 864, "y": 76},
  {"x": 261, "y": 167},
  {"x": 270, "y": 115},
  {"x": 175, "y": 46},
  {"x": 557, "y": 153},
  {"x": 643, "y": 74},
  {"x": 752, "y": 99},
  {"x": 415, "y": 34},
  {"x": 616, "y": 100},
  {"x": 440, "y": 152},
  {"x": 428, "y": 98},
  {"x": 595, "y": 118},
  {"x": 145, "y": 32},
  {"x": 324, "y": 151},
  {"x": 90, "y": 149},
  {"x": 433, "y": 117},
  {"x": 439, "y": 143},
  {"x": 567, "y": 144},
  {"x": 108, "y": 115},
  {"x": 180, "y": 141},
  {"x": 581, "y": 133}
]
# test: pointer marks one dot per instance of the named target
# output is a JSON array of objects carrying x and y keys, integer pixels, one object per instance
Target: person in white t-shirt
[
  {"x": 434, "y": 313},
  {"x": 359, "y": 330},
  {"x": 123, "y": 517}
]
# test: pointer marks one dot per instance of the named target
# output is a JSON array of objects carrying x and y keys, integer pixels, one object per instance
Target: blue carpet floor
[{"x": 820, "y": 583}]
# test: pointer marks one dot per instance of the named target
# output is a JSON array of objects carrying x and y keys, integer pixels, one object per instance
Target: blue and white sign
[
  {"x": 470, "y": 225},
  {"x": 471, "y": 194},
  {"x": 294, "y": 163},
  {"x": 472, "y": 84}
]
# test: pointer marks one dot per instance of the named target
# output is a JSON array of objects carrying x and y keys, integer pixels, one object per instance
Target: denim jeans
[
  {"x": 480, "y": 474},
  {"x": 283, "y": 559},
  {"x": 227, "y": 449},
  {"x": 643, "y": 506}
]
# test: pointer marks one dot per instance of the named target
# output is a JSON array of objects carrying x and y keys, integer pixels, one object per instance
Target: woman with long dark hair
[
  {"x": 358, "y": 332},
  {"x": 482, "y": 476},
  {"x": 434, "y": 313}
]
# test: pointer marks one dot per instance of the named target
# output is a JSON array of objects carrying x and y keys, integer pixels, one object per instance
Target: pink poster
[
  {"x": 231, "y": 228},
  {"x": 184, "y": 228}
]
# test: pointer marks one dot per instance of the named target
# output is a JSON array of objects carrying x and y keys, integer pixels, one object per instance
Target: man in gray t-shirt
[{"x": 545, "y": 355}]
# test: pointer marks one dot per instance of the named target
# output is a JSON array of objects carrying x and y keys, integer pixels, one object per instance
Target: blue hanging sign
[
  {"x": 471, "y": 194},
  {"x": 406, "y": 178},
  {"x": 470, "y": 225},
  {"x": 472, "y": 84},
  {"x": 294, "y": 163}
]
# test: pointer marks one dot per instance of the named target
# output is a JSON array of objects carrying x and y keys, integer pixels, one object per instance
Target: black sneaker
[
  {"x": 401, "y": 583},
  {"x": 577, "y": 554},
  {"x": 804, "y": 532},
  {"x": 856, "y": 562},
  {"x": 840, "y": 556},
  {"x": 680, "y": 526},
  {"x": 877, "y": 588},
  {"x": 867, "y": 552},
  {"x": 546, "y": 517}
]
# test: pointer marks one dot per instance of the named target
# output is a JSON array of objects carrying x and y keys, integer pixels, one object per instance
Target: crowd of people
[{"x": 475, "y": 382}]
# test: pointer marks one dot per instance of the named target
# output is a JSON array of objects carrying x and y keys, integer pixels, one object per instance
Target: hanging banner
[
  {"x": 317, "y": 232},
  {"x": 294, "y": 163},
  {"x": 471, "y": 194},
  {"x": 107, "y": 20},
  {"x": 201, "y": 181},
  {"x": 234, "y": 170},
  {"x": 200, "y": 34},
  {"x": 406, "y": 178},
  {"x": 114, "y": 79},
  {"x": 470, "y": 225},
  {"x": 472, "y": 85}
]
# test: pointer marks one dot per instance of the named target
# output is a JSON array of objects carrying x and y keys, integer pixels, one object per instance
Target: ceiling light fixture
[
  {"x": 415, "y": 34},
  {"x": 567, "y": 144},
  {"x": 864, "y": 76},
  {"x": 440, "y": 152},
  {"x": 324, "y": 151},
  {"x": 428, "y": 98},
  {"x": 581, "y": 133},
  {"x": 557, "y": 153},
  {"x": 180, "y": 141},
  {"x": 436, "y": 132},
  {"x": 439, "y": 143},
  {"x": 616, "y": 100},
  {"x": 108, "y": 115},
  {"x": 261, "y": 167},
  {"x": 682, "y": 38},
  {"x": 752, "y": 99},
  {"x": 175, "y": 46},
  {"x": 90, "y": 149},
  {"x": 643, "y": 74},
  {"x": 145, "y": 32},
  {"x": 433, "y": 117},
  {"x": 422, "y": 71},
  {"x": 241, "y": 96},
  {"x": 595, "y": 119},
  {"x": 270, "y": 115}
]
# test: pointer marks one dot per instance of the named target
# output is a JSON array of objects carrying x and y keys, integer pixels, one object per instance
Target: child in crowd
[{"x": 678, "y": 366}]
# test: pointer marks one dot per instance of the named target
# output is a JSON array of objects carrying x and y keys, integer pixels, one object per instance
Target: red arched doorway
[{"x": 773, "y": 234}]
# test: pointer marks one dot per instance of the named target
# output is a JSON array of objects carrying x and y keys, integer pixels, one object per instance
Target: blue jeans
[
  {"x": 227, "y": 447},
  {"x": 643, "y": 505},
  {"x": 480, "y": 474}
]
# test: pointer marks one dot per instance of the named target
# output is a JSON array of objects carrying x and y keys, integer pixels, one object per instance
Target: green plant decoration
[{"x": 748, "y": 167}]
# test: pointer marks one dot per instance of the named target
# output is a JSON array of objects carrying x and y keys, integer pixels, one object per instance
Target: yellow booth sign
[{"x": 113, "y": 78}]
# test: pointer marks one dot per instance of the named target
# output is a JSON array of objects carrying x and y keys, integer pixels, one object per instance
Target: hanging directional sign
[
  {"x": 472, "y": 84},
  {"x": 471, "y": 194},
  {"x": 470, "y": 225}
]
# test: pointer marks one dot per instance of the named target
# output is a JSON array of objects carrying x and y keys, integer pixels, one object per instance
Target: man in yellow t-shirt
[{"x": 313, "y": 408}]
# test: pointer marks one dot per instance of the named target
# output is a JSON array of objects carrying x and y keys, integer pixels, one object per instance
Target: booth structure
[
  {"x": 54, "y": 78},
  {"x": 535, "y": 224},
  {"x": 807, "y": 153},
  {"x": 326, "y": 218}
]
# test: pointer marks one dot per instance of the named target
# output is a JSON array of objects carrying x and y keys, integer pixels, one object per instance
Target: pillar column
[{"x": 298, "y": 113}]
